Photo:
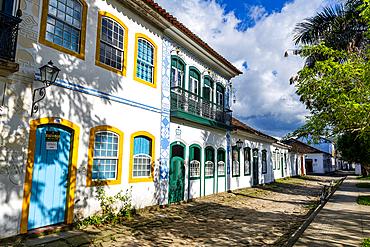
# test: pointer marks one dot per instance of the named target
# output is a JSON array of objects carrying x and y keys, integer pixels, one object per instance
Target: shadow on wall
[{"x": 13, "y": 145}]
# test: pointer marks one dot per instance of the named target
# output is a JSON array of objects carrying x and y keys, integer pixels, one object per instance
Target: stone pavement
[
  {"x": 263, "y": 216},
  {"x": 342, "y": 221}
]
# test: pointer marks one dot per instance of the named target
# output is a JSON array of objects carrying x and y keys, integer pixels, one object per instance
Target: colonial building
[
  {"x": 133, "y": 100},
  {"x": 316, "y": 161}
]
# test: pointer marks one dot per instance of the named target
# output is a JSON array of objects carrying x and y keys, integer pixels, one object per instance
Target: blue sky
[
  {"x": 253, "y": 35},
  {"x": 243, "y": 8}
]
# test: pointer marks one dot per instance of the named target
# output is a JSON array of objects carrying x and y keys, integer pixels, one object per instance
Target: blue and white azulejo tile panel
[{"x": 165, "y": 125}]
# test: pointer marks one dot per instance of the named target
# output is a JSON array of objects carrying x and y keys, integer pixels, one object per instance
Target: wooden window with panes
[
  {"x": 235, "y": 162},
  {"x": 177, "y": 72},
  {"x": 264, "y": 160},
  {"x": 105, "y": 156},
  {"x": 111, "y": 43},
  {"x": 247, "y": 161},
  {"x": 142, "y": 160},
  {"x": 64, "y": 21},
  {"x": 209, "y": 165},
  {"x": 194, "y": 165},
  {"x": 221, "y": 167},
  {"x": 145, "y": 60}
]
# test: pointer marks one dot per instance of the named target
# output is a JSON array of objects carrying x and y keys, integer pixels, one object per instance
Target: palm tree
[{"x": 339, "y": 26}]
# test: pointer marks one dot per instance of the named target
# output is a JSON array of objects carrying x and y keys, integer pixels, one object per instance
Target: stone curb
[{"x": 298, "y": 233}]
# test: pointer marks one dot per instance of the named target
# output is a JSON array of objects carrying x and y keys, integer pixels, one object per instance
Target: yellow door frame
[{"x": 72, "y": 168}]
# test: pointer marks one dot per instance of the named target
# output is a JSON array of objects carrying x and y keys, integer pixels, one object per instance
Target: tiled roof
[
  {"x": 175, "y": 22},
  {"x": 239, "y": 125},
  {"x": 302, "y": 147}
]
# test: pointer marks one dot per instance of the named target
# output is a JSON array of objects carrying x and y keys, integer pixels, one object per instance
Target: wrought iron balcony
[
  {"x": 8, "y": 36},
  {"x": 188, "y": 102}
]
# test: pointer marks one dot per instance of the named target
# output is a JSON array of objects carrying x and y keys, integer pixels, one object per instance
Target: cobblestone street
[{"x": 267, "y": 215}]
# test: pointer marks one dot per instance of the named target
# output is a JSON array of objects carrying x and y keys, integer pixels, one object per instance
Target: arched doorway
[{"x": 177, "y": 172}]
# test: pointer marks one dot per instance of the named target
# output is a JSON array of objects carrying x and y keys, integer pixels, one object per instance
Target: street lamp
[
  {"x": 49, "y": 73},
  {"x": 239, "y": 144}
]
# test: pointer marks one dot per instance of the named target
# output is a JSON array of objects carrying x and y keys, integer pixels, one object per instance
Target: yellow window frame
[
  {"x": 97, "y": 55},
  {"x": 131, "y": 179},
  {"x": 42, "y": 38},
  {"x": 89, "y": 181},
  {"x": 143, "y": 36}
]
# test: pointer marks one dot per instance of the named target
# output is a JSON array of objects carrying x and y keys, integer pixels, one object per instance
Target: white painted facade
[{"x": 86, "y": 96}]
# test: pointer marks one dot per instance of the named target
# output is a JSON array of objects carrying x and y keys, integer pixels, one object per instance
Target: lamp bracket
[{"x": 35, "y": 105}]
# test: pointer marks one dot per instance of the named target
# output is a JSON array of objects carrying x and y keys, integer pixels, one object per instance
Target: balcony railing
[
  {"x": 184, "y": 100},
  {"x": 8, "y": 35}
]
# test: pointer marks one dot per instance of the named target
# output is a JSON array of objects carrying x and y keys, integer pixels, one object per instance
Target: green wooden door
[
  {"x": 177, "y": 177},
  {"x": 282, "y": 166},
  {"x": 255, "y": 167}
]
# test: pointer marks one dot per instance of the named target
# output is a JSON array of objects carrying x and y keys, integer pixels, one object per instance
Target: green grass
[
  {"x": 363, "y": 185},
  {"x": 312, "y": 207},
  {"x": 363, "y": 200},
  {"x": 366, "y": 242},
  {"x": 363, "y": 178}
]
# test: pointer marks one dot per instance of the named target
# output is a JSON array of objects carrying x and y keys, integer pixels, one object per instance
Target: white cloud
[{"x": 263, "y": 92}]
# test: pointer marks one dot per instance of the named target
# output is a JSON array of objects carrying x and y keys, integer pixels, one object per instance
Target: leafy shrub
[
  {"x": 363, "y": 185},
  {"x": 366, "y": 242},
  {"x": 108, "y": 206},
  {"x": 363, "y": 200}
]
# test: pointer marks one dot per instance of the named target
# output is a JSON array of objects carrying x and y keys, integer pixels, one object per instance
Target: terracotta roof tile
[
  {"x": 239, "y": 125},
  {"x": 301, "y": 147}
]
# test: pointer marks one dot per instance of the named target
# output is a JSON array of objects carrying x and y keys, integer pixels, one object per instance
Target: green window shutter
[
  {"x": 194, "y": 74},
  {"x": 191, "y": 154},
  {"x": 219, "y": 88},
  {"x": 177, "y": 63},
  {"x": 206, "y": 81},
  {"x": 209, "y": 154},
  {"x": 221, "y": 155},
  {"x": 207, "y": 93}
]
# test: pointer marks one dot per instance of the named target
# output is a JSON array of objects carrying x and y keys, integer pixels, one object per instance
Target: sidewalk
[{"x": 342, "y": 221}]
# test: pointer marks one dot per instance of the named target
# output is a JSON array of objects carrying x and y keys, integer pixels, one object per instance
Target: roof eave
[
  {"x": 214, "y": 62},
  {"x": 252, "y": 136}
]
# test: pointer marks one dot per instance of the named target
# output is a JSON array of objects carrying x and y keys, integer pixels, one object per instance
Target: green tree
[
  {"x": 335, "y": 88},
  {"x": 340, "y": 27},
  {"x": 355, "y": 148}
]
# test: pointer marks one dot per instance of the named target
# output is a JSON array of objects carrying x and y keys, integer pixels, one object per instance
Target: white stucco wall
[
  {"x": 203, "y": 136},
  {"x": 107, "y": 99}
]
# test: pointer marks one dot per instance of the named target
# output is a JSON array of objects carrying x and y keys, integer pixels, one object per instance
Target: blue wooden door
[{"x": 50, "y": 176}]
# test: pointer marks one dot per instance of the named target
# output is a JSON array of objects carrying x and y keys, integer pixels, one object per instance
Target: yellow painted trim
[
  {"x": 97, "y": 55},
  {"x": 89, "y": 181},
  {"x": 42, "y": 39},
  {"x": 72, "y": 169},
  {"x": 154, "y": 84},
  {"x": 137, "y": 180}
]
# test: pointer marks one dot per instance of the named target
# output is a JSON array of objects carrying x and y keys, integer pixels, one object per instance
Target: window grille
[
  {"x": 145, "y": 60},
  {"x": 105, "y": 156},
  {"x": 64, "y": 23},
  {"x": 247, "y": 161},
  {"x": 142, "y": 159},
  {"x": 221, "y": 168},
  {"x": 194, "y": 169},
  {"x": 235, "y": 168},
  {"x": 209, "y": 168},
  {"x": 236, "y": 162},
  {"x": 111, "y": 43},
  {"x": 142, "y": 165},
  {"x": 264, "y": 160}
]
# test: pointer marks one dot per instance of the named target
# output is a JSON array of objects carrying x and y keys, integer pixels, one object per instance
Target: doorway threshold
[{"x": 47, "y": 228}]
